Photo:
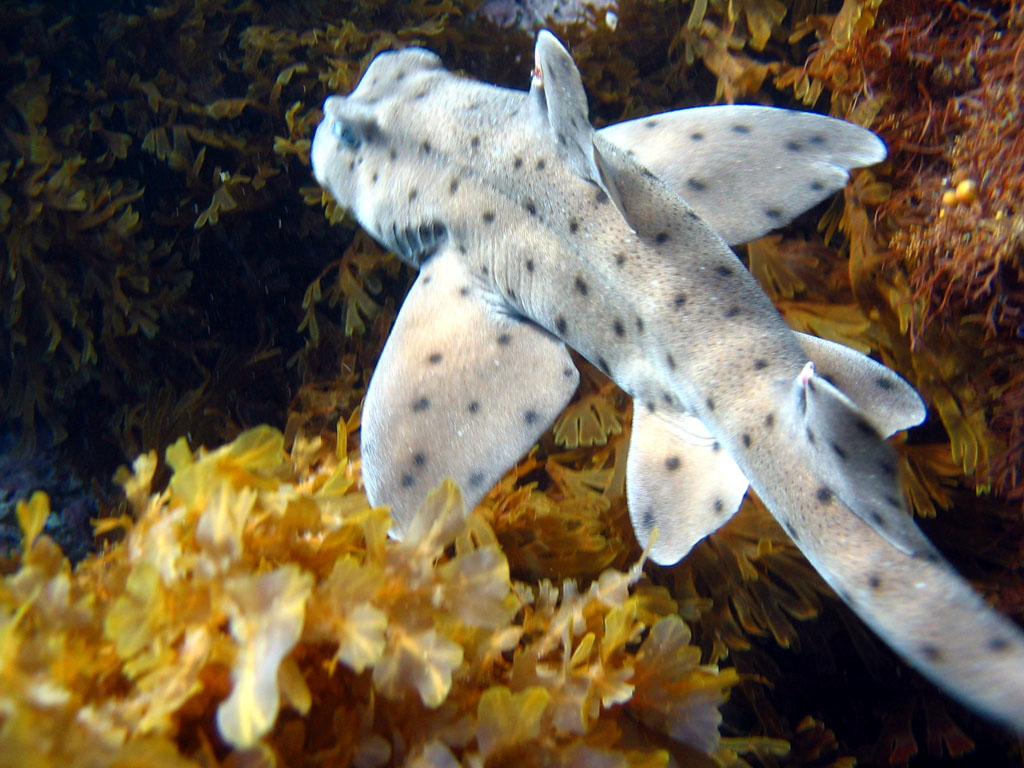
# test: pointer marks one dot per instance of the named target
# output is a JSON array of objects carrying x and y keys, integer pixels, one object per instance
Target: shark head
[{"x": 356, "y": 146}]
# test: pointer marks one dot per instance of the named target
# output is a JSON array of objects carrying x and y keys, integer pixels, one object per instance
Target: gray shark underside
[{"x": 533, "y": 232}]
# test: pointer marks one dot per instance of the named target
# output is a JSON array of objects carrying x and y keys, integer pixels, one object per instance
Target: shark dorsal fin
[{"x": 559, "y": 104}]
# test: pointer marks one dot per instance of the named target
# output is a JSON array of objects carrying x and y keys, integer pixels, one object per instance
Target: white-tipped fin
[{"x": 679, "y": 479}]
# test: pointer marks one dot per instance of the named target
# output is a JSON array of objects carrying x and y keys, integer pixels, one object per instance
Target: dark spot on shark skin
[
  {"x": 393, "y": 154},
  {"x": 373, "y": 179},
  {"x": 567, "y": 372},
  {"x": 408, "y": 480},
  {"x": 883, "y": 383},
  {"x": 530, "y": 207},
  {"x": 620, "y": 259},
  {"x": 529, "y": 265},
  {"x": 887, "y": 469},
  {"x": 474, "y": 142},
  {"x": 600, "y": 197},
  {"x": 697, "y": 136},
  {"x": 649, "y": 407},
  {"x": 810, "y": 436},
  {"x": 998, "y": 644},
  {"x": 769, "y": 420},
  {"x": 893, "y": 502},
  {"x": 504, "y": 339},
  {"x": 667, "y": 397},
  {"x": 696, "y": 184},
  {"x": 434, "y": 358},
  {"x": 420, "y": 405},
  {"x": 453, "y": 186},
  {"x": 716, "y": 447},
  {"x": 474, "y": 406},
  {"x": 760, "y": 365},
  {"x": 794, "y": 146},
  {"x": 650, "y": 123},
  {"x": 817, "y": 139},
  {"x": 487, "y": 217},
  {"x": 672, "y": 463},
  {"x": 878, "y": 520},
  {"x": 662, "y": 237},
  {"x": 427, "y": 279},
  {"x": 425, "y": 148},
  {"x": 679, "y": 300},
  {"x": 874, "y": 582},
  {"x": 581, "y": 285},
  {"x": 541, "y": 164},
  {"x": 648, "y": 519},
  {"x": 413, "y": 193},
  {"x": 791, "y": 532},
  {"x": 603, "y": 365},
  {"x": 517, "y": 163},
  {"x": 619, "y": 329},
  {"x": 464, "y": 290},
  {"x": 419, "y": 459},
  {"x": 746, "y": 440},
  {"x": 351, "y": 165},
  {"x": 574, "y": 226},
  {"x": 719, "y": 506},
  {"x": 839, "y": 451},
  {"x": 530, "y": 417},
  {"x": 399, "y": 76},
  {"x": 485, "y": 270},
  {"x": 932, "y": 653},
  {"x": 419, "y": 94},
  {"x": 670, "y": 361},
  {"x": 773, "y": 213},
  {"x": 824, "y": 494},
  {"x": 732, "y": 312},
  {"x": 817, "y": 186},
  {"x": 639, "y": 324},
  {"x": 561, "y": 325},
  {"x": 740, "y": 128},
  {"x": 710, "y": 404},
  {"x": 561, "y": 139},
  {"x": 723, "y": 271},
  {"x": 475, "y": 479}
]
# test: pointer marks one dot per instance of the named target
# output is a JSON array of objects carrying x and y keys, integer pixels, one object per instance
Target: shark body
[{"x": 532, "y": 231}]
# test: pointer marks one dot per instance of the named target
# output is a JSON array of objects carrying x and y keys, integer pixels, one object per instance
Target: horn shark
[{"x": 532, "y": 231}]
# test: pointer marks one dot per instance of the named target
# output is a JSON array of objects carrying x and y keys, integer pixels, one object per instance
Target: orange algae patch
[{"x": 257, "y": 607}]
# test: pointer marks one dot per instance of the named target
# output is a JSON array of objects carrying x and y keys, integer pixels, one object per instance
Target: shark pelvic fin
[{"x": 679, "y": 479}]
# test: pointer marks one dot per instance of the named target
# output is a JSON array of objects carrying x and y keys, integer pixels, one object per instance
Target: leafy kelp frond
[{"x": 257, "y": 603}]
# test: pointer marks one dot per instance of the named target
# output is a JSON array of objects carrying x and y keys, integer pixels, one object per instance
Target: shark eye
[{"x": 345, "y": 134}]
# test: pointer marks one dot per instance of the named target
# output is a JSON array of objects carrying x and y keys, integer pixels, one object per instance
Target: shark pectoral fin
[
  {"x": 461, "y": 390},
  {"x": 559, "y": 100},
  {"x": 679, "y": 479},
  {"x": 746, "y": 170},
  {"x": 853, "y": 460},
  {"x": 884, "y": 397}
]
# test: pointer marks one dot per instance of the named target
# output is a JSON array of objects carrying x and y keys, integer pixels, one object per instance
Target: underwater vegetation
[{"x": 171, "y": 277}]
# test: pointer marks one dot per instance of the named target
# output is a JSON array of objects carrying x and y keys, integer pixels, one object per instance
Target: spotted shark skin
[{"x": 532, "y": 231}]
